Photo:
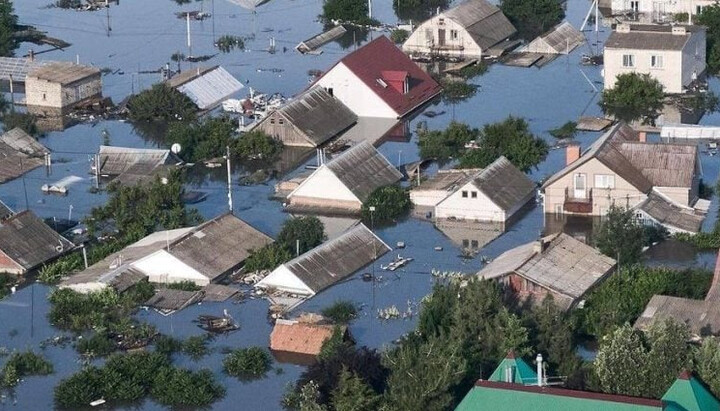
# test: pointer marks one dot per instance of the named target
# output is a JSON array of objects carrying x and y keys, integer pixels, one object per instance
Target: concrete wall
[
  {"x": 480, "y": 208},
  {"x": 278, "y": 126},
  {"x": 427, "y": 35},
  {"x": 682, "y": 196},
  {"x": 48, "y": 94},
  {"x": 354, "y": 93},
  {"x": 670, "y": 75},
  {"x": 624, "y": 194}
]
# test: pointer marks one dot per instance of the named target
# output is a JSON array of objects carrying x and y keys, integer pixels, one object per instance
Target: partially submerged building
[
  {"x": 26, "y": 243},
  {"x": 202, "y": 255},
  {"x": 207, "y": 87},
  {"x": 20, "y": 153},
  {"x": 672, "y": 54},
  {"x": 379, "y": 80},
  {"x": 557, "y": 265},
  {"x": 130, "y": 166},
  {"x": 661, "y": 11},
  {"x": 345, "y": 182},
  {"x": 326, "y": 264},
  {"x": 622, "y": 169},
  {"x": 468, "y": 30},
  {"x": 562, "y": 39},
  {"x": 308, "y": 120},
  {"x": 62, "y": 85},
  {"x": 299, "y": 341}
]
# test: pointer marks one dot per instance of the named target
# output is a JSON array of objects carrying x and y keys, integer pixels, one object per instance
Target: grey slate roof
[
  {"x": 321, "y": 39},
  {"x": 449, "y": 180},
  {"x": 669, "y": 214},
  {"x": 19, "y": 153},
  {"x": 23, "y": 142},
  {"x": 566, "y": 265},
  {"x": 650, "y": 37},
  {"x": 319, "y": 115},
  {"x": 362, "y": 169},
  {"x": 168, "y": 300},
  {"x": 701, "y": 317},
  {"x": 337, "y": 259},
  {"x": 5, "y": 211},
  {"x": 504, "y": 184},
  {"x": 485, "y": 23},
  {"x": 643, "y": 165},
  {"x": 29, "y": 242},
  {"x": 118, "y": 160},
  {"x": 219, "y": 245}
]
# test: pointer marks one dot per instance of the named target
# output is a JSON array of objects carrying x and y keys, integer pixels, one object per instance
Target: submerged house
[
  {"x": 61, "y": 85},
  {"x": 557, "y": 265},
  {"x": 26, "y": 242},
  {"x": 672, "y": 54},
  {"x": 345, "y": 182},
  {"x": 203, "y": 254},
  {"x": 207, "y": 87},
  {"x": 20, "y": 153},
  {"x": 468, "y": 30},
  {"x": 622, "y": 169},
  {"x": 133, "y": 165},
  {"x": 562, "y": 39},
  {"x": 308, "y": 120},
  {"x": 653, "y": 10},
  {"x": 514, "y": 386},
  {"x": 326, "y": 264},
  {"x": 299, "y": 341},
  {"x": 379, "y": 80}
]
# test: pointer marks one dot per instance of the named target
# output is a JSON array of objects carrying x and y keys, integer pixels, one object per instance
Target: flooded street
[{"x": 143, "y": 36}]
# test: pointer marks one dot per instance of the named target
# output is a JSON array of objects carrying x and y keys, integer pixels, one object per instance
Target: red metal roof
[{"x": 381, "y": 59}]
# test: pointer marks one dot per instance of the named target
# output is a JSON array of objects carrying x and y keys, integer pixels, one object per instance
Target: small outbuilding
[
  {"x": 562, "y": 39},
  {"x": 341, "y": 185},
  {"x": 26, "y": 242},
  {"x": 658, "y": 210},
  {"x": 207, "y": 87},
  {"x": 62, "y": 85},
  {"x": 133, "y": 165},
  {"x": 308, "y": 120},
  {"x": 326, "y": 264}
]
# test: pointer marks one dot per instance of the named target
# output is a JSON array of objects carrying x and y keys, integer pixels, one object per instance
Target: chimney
[
  {"x": 572, "y": 153},
  {"x": 539, "y": 360},
  {"x": 679, "y": 30},
  {"x": 642, "y": 136},
  {"x": 32, "y": 55}
]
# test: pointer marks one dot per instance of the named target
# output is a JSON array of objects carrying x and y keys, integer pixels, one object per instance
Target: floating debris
[
  {"x": 213, "y": 324},
  {"x": 438, "y": 248},
  {"x": 397, "y": 263},
  {"x": 400, "y": 244},
  {"x": 60, "y": 186}
]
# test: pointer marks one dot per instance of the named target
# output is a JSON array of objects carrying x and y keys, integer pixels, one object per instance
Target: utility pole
[
  {"x": 97, "y": 171},
  {"x": 229, "y": 180},
  {"x": 189, "y": 42},
  {"x": 107, "y": 9}
]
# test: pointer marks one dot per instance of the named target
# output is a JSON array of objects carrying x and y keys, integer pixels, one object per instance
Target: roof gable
[
  {"x": 380, "y": 55},
  {"x": 362, "y": 169},
  {"x": 504, "y": 184},
  {"x": 519, "y": 371},
  {"x": 484, "y": 22},
  {"x": 689, "y": 394}
]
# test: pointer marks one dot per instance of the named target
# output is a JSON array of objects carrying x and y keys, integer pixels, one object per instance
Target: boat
[
  {"x": 397, "y": 263},
  {"x": 214, "y": 324}
]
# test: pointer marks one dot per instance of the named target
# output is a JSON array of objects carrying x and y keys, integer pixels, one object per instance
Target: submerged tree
[
  {"x": 710, "y": 18},
  {"x": 163, "y": 103},
  {"x": 634, "y": 96},
  {"x": 533, "y": 17},
  {"x": 621, "y": 236}
]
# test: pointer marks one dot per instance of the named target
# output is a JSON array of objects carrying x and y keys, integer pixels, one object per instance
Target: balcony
[{"x": 578, "y": 205}]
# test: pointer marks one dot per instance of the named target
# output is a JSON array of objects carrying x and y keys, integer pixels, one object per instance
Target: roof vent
[{"x": 382, "y": 83}]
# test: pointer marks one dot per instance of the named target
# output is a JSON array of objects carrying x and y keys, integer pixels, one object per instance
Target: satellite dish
[{"x": 175, "y": 148}]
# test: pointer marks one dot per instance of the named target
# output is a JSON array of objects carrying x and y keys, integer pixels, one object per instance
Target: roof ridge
[{"x": 351, "y": 230}]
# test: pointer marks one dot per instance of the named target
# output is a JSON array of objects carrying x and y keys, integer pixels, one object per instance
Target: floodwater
[{"x": 144, "y": 35}]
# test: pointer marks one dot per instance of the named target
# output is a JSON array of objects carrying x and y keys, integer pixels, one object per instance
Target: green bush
[
  {"x": 267, "y": 258},
  {"x": 196, "y": 347},
  {"x": 399, "y": 36},
  {"x": 567, "y": 130},
  {"x": 166, "y": 345},
  {"x": 202, "y": 140},
  {"x": 446, "y": 144},
  {"x": 247, "y": 363},
  {"x": 99, "y": 345},
  {"x": 183, "y": 388},
  {"x": 340, "y": 312},
  {"x": 256, "y": 145},
  {"x": 455, "y": 91},
  {"x": 23, "y": 364},
  {"x": 309, "y": 230},
  {"x": 390, "y": 202},
  {"x": 350, "y": 11},
  {"x": 161, "y": 103},
  {"x": 186, "y": 285},
  {"x": 635, "y": 96}
]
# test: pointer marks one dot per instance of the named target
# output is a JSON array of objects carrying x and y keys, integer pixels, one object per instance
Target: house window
[
  {"x": 330, "y": 91},
  {"x": 604, "y": 181},
  {"x": 466, "y": 243},
  {"x": 699, "y": 9},
  {"x": 44, "y": 96},
  {"x": 441, "y": 21},
  {"x": 558, "y": 208},
  {"x": 281, "y": 121},
  {"x": 464, "y": 194},
  {"x": 272, "y": 121},
  {"x": 656, "y": 61},
  {"x": 454, "y": 34},
  {"x": 474, "y": 244},
  {"x": 628, "y": 60},
  {"x": 473, "y": 194}
]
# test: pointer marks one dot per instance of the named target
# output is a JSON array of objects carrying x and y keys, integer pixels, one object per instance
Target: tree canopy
[
  {"x": 621, "y": 236},
  {"x": 443, "y": 145},
  {"x": 635, "y": 96},
  {"x": 202, "y": 140},
  {"x": 8, "y": 23},
  {"x": 418, "y": 10},
  {"x": 161, "y": 102},
  {"x": 710, "y": 18},
  {"x": 532, "y": 17},
  {"x": 350, "y": 11},
  {"x": 391, "y": 202}
]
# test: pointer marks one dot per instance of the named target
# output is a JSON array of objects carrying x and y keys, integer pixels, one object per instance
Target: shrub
[
  {"x": 446, "y": 144},
  {"x": 341, "y": 312},
  {"x": 309, "y": 230},
  {"x": 399, "y": 36},
  {"x": 390, "y": 202},
  {"x": 567, "y": 130},
  {"x": 267, "y": 258},
  {"x": 186, "y": 285},
  {"x": 351, "y": 11},
  {"x": 99, "y": 345},
  {"x": 195, "y": 347},
  {"x": 23, "y": 364},
  {"x": 635, "y": 96},
  {"x": 163, "y": 103},
  {"x": 202, "y": 140},
  {"x": 256, "y": 145},
  {"x": 179, "y": 387},
  {"x": 166, "y": 345},
  {"x": 247, "y": 363}
]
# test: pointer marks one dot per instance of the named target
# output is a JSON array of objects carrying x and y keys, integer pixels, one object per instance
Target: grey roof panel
[
  {"x": 562, "y": 39},
  {"x": 650, "y": 37},
  {"x": 208, "y": 89},
  {"x": 504, "y": 184},
  {"x": 362, "y": 169},
  {"x": 667, "y": 213},
  {"x": 63, "y": 72},
  {"x": 21, "y": 141},
  {"x": 115, "y": 161},
  {"x": 17, "y": 67},
  {"x": 29, "y": 242},
  {"x": 319, "y": 115},
  {"x": 483, "y": 21}
]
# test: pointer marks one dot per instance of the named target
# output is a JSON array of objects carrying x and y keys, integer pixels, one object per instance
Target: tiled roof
[
  {"x": 299, "y": 337},
  {"x": 368, "y": 64}
]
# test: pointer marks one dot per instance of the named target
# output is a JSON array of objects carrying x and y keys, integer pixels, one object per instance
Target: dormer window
[{"x": 406, "y": 85}]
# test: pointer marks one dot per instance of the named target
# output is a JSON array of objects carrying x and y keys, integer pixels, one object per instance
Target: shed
[
  {"x": 62, "y": 85},
  {"x": 562, "y": 39},
  {"x": 659, "y": 210},
  {"x": 167, "y": 300},
  {"x": 134, "y": 165},
  {"x": 26, "y": 242},
  {"x": 344, "y": 183},
  {"x": 308, "y": 120},
  {"x": 326, "y": 264},
  {"x": 206, "y": 87},
  {"x": 438, "y": 187},
  {"x": 494, "y": 194},
  {"x": 19, "y": 153},
  {"x": 557, "y": 265}
]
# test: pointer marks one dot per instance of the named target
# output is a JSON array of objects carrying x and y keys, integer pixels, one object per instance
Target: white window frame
[
  {"x": 656, "y": 61},
  {"x": 604, "y": 181},
  {"x": 628, "y": 60}
]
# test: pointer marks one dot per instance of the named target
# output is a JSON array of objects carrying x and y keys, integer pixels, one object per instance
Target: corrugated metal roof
[
  {"x": 17, "y": 67},
  {"x": 651, "y": 37},
  {"x": 337, "y": 259},
  {"x": 29, "y": 242},
  {"x": 13, "y": 161},
  {"x": 63, "y": 72},
  {"x": 318, "y": 115},
  {"x": 115, "y": 161},
  {"x": 321, "y": 39},
  {"x": 21, "y": 141},
  {"x": 670, "y": 214},
  {"x": 449, "y": 180},
  {"x": 362, "y": 169},
  {"x": 702, "y": 317},
  {"x": 504, "y": 184},
  {"x": 167, "y": 299},
  {"x": 485, "y": 23},
  {"x": 562, "y": 39},
  {"x": 209, "y": 88}
]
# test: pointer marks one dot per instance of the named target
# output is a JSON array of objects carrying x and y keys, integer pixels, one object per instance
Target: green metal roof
[
  {"x": 487, "y": 395},
  {"x": 522, "y": 373},
  {"x": 689, "y": 394}
]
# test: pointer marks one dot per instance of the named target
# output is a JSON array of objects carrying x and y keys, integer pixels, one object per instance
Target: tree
[
  {"x": 532, "y": 17},
  {"x": 707, "y": 363},
  {"x": 247, "y": 363},
  {"x": 446, "y": 144},
  {"x": 256, "y": 145},
  {"x": 390, "y": 202},
  {"x": 25, "y": 121},
  {"x": 267, "y": 257},
  {"x": 621, "y": 236},
  {"x": 567, "y": 130},
  {"x": 202, "y": 140},
  {"x": 351, "y": 11},
  {"x": 418, "y": 10},
  {"x": 8, "y": 23},
  {"x": 340, "y": 312},
  {"x": 353, "y": 394},
  {"x": 620, "y": 362},
  {"x": 308, "y": 230},
  {"x": 710, "y": 18},
  {"x": 184, "y": 388},
  {"x": 161, "y": 103},
  {"x": 635, "y": 96},
  {"x": 510, "y": 138},
  {"x": 669, "y": 355}
]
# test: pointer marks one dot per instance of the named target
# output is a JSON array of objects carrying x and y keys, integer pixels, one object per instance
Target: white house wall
[
  {"x": 283, "y": 279},
  {"x": 428, "y": 198},
  {"x": 480, "y": 208},
  {"x": 162, "y": 267},
  {"x": 427, "y": 35},
  {"x": 670, "y": 75},
  {"x": 354, "y": 93},
  {"x": 324, "y": 185},
  {"x": 658, "y": 7}
]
